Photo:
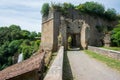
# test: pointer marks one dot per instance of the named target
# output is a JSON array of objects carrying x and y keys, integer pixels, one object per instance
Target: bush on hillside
[{"x": 115, "y": 37}]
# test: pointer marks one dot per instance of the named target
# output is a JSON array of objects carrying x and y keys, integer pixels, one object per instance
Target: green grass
[
  {"x": 109, "y": 61},
  {"x": 112, "y": 48}
]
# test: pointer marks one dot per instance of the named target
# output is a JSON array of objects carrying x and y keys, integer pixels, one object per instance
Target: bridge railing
[
  {"x": 55, "y": 71},
  {"x": 110, "y": 53}
]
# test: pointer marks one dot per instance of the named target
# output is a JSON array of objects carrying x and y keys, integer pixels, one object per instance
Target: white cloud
[{"x": 26, "y": 13}]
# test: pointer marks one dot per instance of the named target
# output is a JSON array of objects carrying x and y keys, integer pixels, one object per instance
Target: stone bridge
[{"x": 67, "y": 65}]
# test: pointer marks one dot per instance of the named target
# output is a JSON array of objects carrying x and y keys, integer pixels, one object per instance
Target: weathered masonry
[
  {"x": 30, "y": 69},
  {"x": 82, "y": 28}
]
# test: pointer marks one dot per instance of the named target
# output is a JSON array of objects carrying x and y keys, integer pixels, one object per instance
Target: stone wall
[
  {"x": 50, "y": 31},
  {"x": 29, "y": 69},
  {"x": 110, "y": 53},
  {"x": 56, "y": 69},
  {"x": 47, "y": 35},
  {"x": 33, "y": 75},
  {"x": 72, "y": 23}
]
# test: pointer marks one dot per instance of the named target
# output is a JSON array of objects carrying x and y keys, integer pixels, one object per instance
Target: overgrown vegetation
[
  {"x": 112, "y": 48},
  {"x": 45, "y": 9},
  {"x": 115, "y": 37},
  {"x": 90, "y": 8},
  {"x": 14, "y": 41},
  {"x": 109, "y": 61}
]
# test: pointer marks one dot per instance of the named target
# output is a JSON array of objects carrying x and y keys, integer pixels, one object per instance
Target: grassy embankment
[
  {"x": 112, "y": 48},
  {"x": 109, "y": 61}
]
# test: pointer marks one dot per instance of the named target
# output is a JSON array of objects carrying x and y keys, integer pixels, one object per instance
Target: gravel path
[{"x": 84, "y": 67}]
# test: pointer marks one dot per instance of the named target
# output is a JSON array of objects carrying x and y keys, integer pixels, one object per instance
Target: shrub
[
  {"x": 27, "y": 52},
  {"x": 92, "y": 8},
  {"x": 45, "y": 9},
  {"x": 115, "y": 37},
  {"x": 111, "y": 14},
  {"x": 55, "y": 6}
]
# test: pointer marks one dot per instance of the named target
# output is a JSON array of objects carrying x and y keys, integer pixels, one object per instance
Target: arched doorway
[{"x": 75, "y": 40}]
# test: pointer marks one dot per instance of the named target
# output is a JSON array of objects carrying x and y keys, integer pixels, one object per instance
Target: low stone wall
[
  {"x": 106, "y": 52},
  {"x": 55, "y": 71}
]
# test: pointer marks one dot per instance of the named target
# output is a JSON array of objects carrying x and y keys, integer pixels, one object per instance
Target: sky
[{"x": 26, "y": 13}]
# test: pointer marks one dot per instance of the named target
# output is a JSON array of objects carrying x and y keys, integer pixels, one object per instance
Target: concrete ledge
[
  {"x": 110, "y": 53},
  {"x": 55, "y": 71}
]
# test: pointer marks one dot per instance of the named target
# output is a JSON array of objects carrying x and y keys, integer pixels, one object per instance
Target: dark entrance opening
[{"x": 74, "y": 41}]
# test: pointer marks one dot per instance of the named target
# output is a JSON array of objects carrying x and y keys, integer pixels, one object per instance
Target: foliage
[
  {"x": 65, "y": 7},
  {"x": 115, "y": 37},
  {"x": 33, "y": 35},
  {"x": 4, "y": 35},
  {"x": 39, "y": 34},
  {"x": 111, "y": 14},
  {"x": 109, "y": 61},
  {"x": 55, "y": 6},
  {"x": 27, "y": 52},
  {"x": 90, "y": 8},
  {"x": 14, "y": 46},
  {"x": 14, "y": 41},
  {"x": 25, "y": 34},
  {"x": 45, "y": 9}
]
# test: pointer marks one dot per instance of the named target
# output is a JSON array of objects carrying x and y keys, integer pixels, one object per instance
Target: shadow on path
[
  {"x": 67, "y": 73},
  {"x": 74, "y": 49}
]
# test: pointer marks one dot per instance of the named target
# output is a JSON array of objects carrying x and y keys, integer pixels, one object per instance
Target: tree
[
  {"x": 116, "y": 35},
  {"x": 27, "y": 52},
  {"x": 45, "y": 9},
  {"x": 91, "y": 7},
  {"x": 14, "y": 46},
  {"x": 39, "y": 34},
  {"x": 14, "y": 28},
  {"x": 25, "y": 34},
  {"x": 13, "y": 41},
  {"x": 67, "y": 6},
  {"x": 33, "y": 35},
  {"x": 111, "y": 14},
  {"x": 4, "y": 35}
]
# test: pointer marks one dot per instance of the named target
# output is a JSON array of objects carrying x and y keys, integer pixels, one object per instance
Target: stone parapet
[
  {"x": 110, "y": 53},
  {"x": 55, "y": 71}
]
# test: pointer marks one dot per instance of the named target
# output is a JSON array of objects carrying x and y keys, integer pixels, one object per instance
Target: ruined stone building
[{"x": 82, "y": 28}]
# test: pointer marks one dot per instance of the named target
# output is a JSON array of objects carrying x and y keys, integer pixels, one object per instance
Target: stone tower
[{"x": 80, "y": 27}]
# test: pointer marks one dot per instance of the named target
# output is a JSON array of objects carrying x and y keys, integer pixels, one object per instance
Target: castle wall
[
  {"x": 50, "y": 31},
  {"x": 47, "y": 34},
  {"x": 73, "y": 23},
  {"x": 56, "y": 29},
  {"x": 95, "y": 36}
]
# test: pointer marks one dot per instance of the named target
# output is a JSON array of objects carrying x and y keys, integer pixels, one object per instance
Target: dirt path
[{"x": 84, "y": 67}]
